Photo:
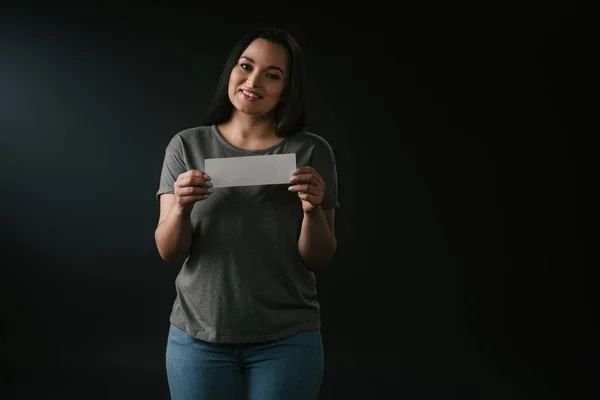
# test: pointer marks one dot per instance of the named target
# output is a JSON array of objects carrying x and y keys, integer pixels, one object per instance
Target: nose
[{"x": 254, "y": 79}]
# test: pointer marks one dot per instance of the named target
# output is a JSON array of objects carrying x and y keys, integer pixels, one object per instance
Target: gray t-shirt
[{"x": 244, "y": 280}]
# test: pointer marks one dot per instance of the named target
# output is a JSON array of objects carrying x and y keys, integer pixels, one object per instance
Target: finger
[
  {"x": 308, "y": 178},
  {"x": 193, "y": 180},
  {"x": 200, "y": 181},
  {"x": 193, "y": 191},
  {"x": 194, "y": 173},
  {"x": 306, "y": 170},
  {"x": 189, "y": 173},
  {"x": 309, "y": 189},
  {"x": 300, "y": 178}
]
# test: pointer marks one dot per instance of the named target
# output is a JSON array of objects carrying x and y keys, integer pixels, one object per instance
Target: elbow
[
  {"x": 321, "y": 261},
  {"x": 318, "y": 264},
  {"x": 168, "y": 258},
  {"x": 171, "y": 258},
  {"x": 164, "y": 255}
]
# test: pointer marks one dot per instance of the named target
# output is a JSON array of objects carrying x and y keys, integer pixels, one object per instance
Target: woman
[{"x": 245, "y": 323}]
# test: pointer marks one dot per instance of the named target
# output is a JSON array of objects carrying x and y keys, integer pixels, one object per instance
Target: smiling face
[{"x": 258, "y": 80}]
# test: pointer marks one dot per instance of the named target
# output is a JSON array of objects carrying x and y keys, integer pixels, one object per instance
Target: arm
[
  {"x": 317, "y": 242},
  {"x": 173, "y": 235}
]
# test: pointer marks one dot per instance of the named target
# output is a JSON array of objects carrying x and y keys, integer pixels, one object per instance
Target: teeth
[{"x": 250, "y": 94}]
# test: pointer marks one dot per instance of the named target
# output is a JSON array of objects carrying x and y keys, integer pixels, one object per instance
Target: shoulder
[
  {"x": 312, "y": 139},
  {"x": 312, "y": 149},
  {"x": 193, "y": 133},
  {"x": 189, "y": 136}
]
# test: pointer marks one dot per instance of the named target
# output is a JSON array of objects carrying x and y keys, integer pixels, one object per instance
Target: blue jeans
[{"x": 287, "y": 369}]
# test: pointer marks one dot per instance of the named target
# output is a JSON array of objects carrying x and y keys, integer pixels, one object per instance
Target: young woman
[{"x": 245, "y": 323}]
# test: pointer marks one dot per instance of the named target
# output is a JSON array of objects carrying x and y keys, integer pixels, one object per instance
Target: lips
[{"x": 250, "y": 94}]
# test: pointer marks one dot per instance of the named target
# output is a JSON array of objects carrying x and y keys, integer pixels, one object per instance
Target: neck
[
  {"x": 249, "y": 132},
  {"x": 246, "y": 127}
]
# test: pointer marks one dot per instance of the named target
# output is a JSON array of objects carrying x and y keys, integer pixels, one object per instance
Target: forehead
[{"x": 266, "y": 53}]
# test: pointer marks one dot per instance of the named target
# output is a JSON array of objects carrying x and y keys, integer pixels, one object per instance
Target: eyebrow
[{"x": 269, "y": 67}]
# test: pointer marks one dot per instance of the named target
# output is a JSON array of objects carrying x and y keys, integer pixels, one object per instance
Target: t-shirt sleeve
[
  {"x": 173, "y": 166},
  {"x": 323, "y": 161}
]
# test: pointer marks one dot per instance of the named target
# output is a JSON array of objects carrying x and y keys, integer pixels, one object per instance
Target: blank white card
[{"x": 251, "y": 170}]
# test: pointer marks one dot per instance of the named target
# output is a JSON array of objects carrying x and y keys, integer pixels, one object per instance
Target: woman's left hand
[{"x": 310, "y": 187}]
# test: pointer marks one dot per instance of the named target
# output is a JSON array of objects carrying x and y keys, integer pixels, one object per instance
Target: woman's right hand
[{"x": 190, "y": 187}]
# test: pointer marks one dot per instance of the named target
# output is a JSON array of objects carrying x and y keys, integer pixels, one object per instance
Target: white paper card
[{"x": 251, "y": 170}]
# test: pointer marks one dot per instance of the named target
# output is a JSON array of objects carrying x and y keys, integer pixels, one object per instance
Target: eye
[
  {"x": 273, "y": 76},
  {"x": 245, "y": 66}
]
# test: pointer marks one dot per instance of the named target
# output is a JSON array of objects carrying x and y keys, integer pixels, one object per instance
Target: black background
[{"x": 459, "y": 272}]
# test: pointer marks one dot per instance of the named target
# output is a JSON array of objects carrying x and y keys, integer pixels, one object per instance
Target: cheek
[
  {"x": 277, "y": 90},
  {"x": 232, "y": 87},
  {"x": 234, "y": 80}
]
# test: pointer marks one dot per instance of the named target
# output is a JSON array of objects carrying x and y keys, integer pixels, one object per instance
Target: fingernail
[
  {"x": 206, "y": 177},
  {"x": 209, "y": 184}
]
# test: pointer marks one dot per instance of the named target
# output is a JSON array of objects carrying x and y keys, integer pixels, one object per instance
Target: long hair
[{"x": 289, "y": 114}]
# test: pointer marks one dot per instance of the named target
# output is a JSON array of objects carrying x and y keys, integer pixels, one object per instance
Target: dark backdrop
[{"x": 458, "y": 269}]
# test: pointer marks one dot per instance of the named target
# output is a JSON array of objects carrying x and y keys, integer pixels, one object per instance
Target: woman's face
[{"x": 258, "y": 80}]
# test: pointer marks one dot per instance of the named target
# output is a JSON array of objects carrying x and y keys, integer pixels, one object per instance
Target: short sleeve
[
  {"x": 323, "y": 161},
  {"x": 173, "y": 166}
]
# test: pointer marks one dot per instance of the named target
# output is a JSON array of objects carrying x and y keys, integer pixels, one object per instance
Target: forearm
[
  {"x": 317, "y": 242},
  {"x": 173, "y": 236}
]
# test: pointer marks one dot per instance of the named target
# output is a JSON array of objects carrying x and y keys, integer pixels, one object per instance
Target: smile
[{"x": 250, "y": 96}]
